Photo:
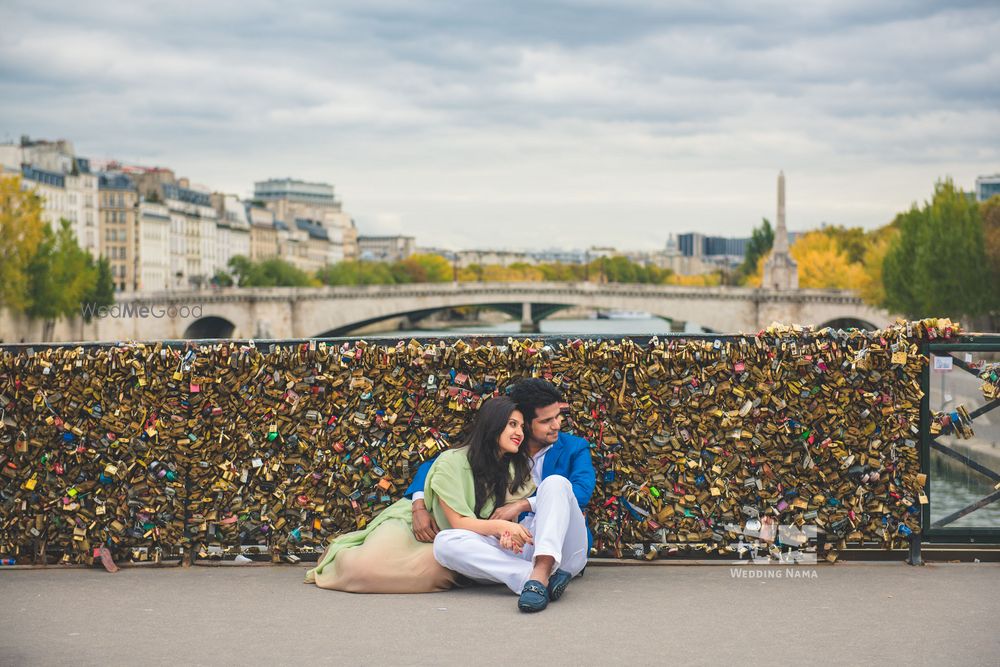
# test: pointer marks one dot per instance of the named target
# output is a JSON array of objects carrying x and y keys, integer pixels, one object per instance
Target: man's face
[{"x": 546, "y": 424}]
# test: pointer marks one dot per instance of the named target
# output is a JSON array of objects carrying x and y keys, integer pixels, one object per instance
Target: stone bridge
[{"x": 333, "y": 311}]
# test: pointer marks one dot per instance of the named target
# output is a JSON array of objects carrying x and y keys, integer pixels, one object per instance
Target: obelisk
[{"x": 780, "y": 270}]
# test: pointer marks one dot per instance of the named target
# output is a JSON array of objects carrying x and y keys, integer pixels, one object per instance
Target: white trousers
[{"x": 557, "y": 527}]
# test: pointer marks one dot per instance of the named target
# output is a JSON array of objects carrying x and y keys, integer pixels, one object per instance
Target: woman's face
[{"x": 512, "y": 434}]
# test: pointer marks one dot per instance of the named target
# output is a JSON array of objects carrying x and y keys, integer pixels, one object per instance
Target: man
[{"x": 564, "y": 474}]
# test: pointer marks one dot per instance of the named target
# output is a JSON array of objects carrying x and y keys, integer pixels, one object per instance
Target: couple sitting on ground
[{"x": 469, "y": 502}]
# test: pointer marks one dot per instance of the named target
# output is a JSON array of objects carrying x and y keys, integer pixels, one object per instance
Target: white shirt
[{"x": 538, "y": 460}]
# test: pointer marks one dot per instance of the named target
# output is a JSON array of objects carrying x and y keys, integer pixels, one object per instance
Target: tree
[
  {"x": 560, "y": 272},
  {"x": 101, "y": 291},
  {"x": 356, "y": 273},
  {"x": 620, "y": 270},
  {"x": 408, "y": 271},
  {"x": 222, "y": 279},
  {"x": 761, "y": 240},
  {"x": 273, "y": 272},
  {"x": 276, "y": 272},
  {"x": 936, "y": 265},
  {"x": 473, "y": 272},
  {"x": 853, "y": 241},
  {"x": 872, "y": 287},
  {"x": 60, "y": 274},
  {"x": 241, "y": 267},
  {"x": 824, "y": 264},
  {"x": 21, "y": 230},
  {"x": 989, "y": 212},
  {"x": 436, "y": 268}
]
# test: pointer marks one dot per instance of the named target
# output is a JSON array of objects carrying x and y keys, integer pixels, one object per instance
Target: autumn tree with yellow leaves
[
  {"x": 21, "y": 231},
  {"x": 826, "y": 259}
]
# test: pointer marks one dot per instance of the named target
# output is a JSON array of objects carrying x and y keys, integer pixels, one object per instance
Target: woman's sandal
[
  {"x": 558, "y": 583},
  {"x": 534, "y": 596}
]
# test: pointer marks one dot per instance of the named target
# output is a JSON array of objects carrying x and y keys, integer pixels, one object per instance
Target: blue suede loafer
[
  {"x": 534, "y": 597},
  {"x": 558, "y": 583}
]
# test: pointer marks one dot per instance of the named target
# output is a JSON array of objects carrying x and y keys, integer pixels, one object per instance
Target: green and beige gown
[{"x": 385, "y": 557}]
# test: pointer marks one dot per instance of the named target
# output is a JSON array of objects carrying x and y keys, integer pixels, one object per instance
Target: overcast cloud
[{"x": 526, "y": 124}]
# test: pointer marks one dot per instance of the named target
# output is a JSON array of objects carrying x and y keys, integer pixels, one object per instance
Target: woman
[{"x": 464, "y": 484}]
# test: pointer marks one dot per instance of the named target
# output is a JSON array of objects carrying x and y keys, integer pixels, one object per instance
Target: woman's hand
[
  {"x": 512, "y": 536},
  {"x": 507, "y": 543},
  {"x": 424, "y": 526}
]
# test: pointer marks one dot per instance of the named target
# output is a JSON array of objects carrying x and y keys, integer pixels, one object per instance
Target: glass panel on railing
[{"x": 965, "y": 446}]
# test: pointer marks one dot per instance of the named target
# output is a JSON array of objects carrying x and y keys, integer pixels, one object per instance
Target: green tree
[
  {"x": 620, "y": 270},
  {"x": 408, "y": 271},
  {"x": 222, "y": 279},
  {"x": 989, "y": 211},
  {"x": 761, "y": 240},
  {"x": 477, "y": 272},
  {"x": 852, "y": 241},
  {"x": 356, "y": 273},
  {"x": 21, "y": 230},
  {"x": 273, "y": 272},
  {"x": 276, "y": 272},
  {"x": 560, "y": 272},
  {"x": 241, "y": 269},
  {"x": 60, "y": 275},
  {"x": 101, "y": 291},
  {"x": 936, "y": 265}
]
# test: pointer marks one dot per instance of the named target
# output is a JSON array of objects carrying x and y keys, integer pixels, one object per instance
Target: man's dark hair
[{"x": 532, "y": 393}]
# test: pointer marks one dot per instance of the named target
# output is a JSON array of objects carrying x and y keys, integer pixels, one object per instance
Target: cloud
[{"x": 580, "y": 122}]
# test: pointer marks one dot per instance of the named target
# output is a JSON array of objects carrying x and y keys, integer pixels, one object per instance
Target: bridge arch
[
  {"x": 539, "y": 312},
  {"x": 848, "y": 323},
  {"x": 210, "y": 327}
]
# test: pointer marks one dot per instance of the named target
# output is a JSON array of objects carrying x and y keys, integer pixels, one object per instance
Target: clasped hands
[{"x": 513, "y": 536}]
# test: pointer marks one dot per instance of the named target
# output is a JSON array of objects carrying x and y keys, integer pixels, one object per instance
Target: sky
[{"x": 517, "y": 125}]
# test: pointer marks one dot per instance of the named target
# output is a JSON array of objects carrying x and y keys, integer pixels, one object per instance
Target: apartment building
[
  {"x": 64, "y": 181},
  {"x": 291, "y": 199},
  {"x": 193, "y": 251},
  {"x": 385, "y": 248},
  {"x": 119, "y": 229}
]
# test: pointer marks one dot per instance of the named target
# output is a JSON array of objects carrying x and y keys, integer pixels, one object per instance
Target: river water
[{"x": 646, "y": 326}]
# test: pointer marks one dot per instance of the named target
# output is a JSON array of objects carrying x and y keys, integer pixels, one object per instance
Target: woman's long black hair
[{"x": 491, "y": 472}]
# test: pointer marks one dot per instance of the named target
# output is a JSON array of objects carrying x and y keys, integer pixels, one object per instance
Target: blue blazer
[{"x": 569, "y": 457}]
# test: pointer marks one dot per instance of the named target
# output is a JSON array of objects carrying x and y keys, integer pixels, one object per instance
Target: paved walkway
[{"x": 849, "y": 613}]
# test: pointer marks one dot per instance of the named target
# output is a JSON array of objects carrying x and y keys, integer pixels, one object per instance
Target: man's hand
[
  {"x": 424, "y": 526},
  {"x": 511, "y": 511}
]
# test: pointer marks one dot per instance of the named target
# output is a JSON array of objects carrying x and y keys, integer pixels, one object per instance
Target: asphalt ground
[{"x": 843, "y": 614}]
